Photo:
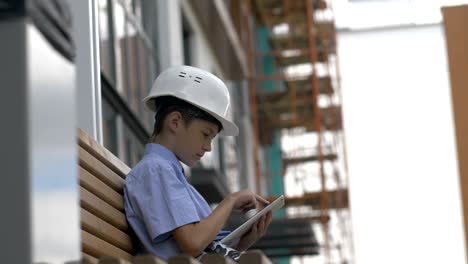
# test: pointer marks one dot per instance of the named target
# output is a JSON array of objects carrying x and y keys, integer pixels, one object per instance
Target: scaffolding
[{"x": 294, "y": 87}]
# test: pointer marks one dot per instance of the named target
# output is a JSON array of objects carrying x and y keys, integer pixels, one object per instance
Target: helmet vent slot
[
  {"x": 198, "y": 79},
  {"x": 182, "y": 74}
]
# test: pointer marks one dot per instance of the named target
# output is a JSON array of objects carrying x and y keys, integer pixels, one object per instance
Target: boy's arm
[{"x": 195, "y": 237}]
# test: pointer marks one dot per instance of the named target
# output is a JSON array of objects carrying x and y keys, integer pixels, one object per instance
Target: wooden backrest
[{"x": 104, "y": 228}]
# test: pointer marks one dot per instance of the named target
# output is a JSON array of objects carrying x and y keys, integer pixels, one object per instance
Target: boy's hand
[
  {"x": 255, "y": 233},
  {"x": 246, "y": 200}
]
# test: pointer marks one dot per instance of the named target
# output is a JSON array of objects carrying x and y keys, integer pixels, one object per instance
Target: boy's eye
[{"x": 206, "y": 135}]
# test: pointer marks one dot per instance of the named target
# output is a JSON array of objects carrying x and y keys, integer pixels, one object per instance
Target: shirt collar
[{"x": 165, "y": 153}]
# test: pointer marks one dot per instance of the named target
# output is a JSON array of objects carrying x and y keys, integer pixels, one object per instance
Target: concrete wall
[{"x": 404, "y": 188}]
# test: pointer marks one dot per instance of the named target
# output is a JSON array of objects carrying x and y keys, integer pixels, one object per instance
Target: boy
[{"x": 167, "y": 214}]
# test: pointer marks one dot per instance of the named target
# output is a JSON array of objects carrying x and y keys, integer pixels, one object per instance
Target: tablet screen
[{"x": 235, "y": 235}]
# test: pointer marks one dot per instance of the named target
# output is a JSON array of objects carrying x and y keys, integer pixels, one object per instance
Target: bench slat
[
  {"x": 113, "y": 260},
  {"x": 104, "y": 155},
  {"x": 97, "y": 247},
  {"x": 101, "y": 171},
  {"x": 216, "y": 259},
  {"x": 183, "y": 259},
  {"x": 87, "y": 259},
  {"x": 147, "y": 259},
  {"x": 100, "y": 189},
  {"x": 254, "y": 257},
  {"x": 93, "y": 225},
  {"x": 103, "y": 210}
]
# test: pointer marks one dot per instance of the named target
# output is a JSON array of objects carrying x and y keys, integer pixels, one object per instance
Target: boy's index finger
[{"x": 261, "y": 199}]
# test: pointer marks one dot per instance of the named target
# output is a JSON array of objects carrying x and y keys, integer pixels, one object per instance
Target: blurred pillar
[
  {"x": 39, "y": 190},
  {"x": 170, "y": 32}
]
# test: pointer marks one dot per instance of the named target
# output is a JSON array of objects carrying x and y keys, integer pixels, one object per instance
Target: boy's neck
[{"x": 164, "y": 141}]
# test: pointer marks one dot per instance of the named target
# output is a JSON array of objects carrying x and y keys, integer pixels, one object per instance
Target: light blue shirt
[{"x": 159, "y": 199}]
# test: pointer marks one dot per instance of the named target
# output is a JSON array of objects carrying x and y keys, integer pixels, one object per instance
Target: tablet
[{"x": 235, "y": 235}]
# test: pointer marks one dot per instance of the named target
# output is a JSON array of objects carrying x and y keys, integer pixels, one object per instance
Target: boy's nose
[{"x": 207, "y": 147}]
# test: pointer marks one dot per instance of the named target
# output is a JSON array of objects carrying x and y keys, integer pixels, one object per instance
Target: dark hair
[{"x": 189, "y": 112}]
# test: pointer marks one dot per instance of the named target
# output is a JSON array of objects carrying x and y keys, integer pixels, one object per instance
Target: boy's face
[{"x": 194, "y": 140}]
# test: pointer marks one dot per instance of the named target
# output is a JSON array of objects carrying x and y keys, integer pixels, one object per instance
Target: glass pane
[
  {"x": 126, "y": 59},
  {"x": 149, "y": 22},
  {"x": 119, "y": 31},
  {"x": 232, "y": 164},
  {"x": 105, "y": 42},
  {"x": 145, "y": 82},
  {"x": 133, "y": 148},
  {"x": 137, "y": 11},
  {"x": 131, "y": 67},
  {"x": 127, "y": 4},
  {"x": 109, "y": 127},
  {"x": 186, "y": 41},
  {"x": 222, "y": 167},
  {"x": 132, "y": 7}
]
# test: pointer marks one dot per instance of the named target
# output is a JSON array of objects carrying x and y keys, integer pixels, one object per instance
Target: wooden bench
[
  {"x": 104, "y": 228},
  {"x": 106, "y": 237}
]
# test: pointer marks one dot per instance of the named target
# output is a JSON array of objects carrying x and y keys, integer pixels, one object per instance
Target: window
[
  {"x": 128, "y": 66},
  {"x": 187, "y": 41}
]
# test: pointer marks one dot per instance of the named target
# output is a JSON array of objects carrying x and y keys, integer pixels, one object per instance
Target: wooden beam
[
  {"x": 296, "y": 160},
  {"x": 330, "y": 118},
  {"x": 303, "y": 88},
  {"x": 456, "y": 23},
  {"x": 314, "y": 199}
]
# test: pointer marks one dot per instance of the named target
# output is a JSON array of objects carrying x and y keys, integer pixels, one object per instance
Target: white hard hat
[{"x": 197, "y": 87}]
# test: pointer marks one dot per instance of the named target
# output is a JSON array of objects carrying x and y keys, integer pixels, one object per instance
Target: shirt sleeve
[{"x": 162, "y": 201}]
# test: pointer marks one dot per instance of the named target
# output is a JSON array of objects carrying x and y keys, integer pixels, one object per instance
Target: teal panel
[
  {"x": 267, "y": 62},
  {"x": 272, "y": 153},
  {"x": 276, "y": 169}
]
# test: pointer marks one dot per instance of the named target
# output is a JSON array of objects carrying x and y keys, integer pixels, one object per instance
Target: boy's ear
[{"x": 174, "y": 121}]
